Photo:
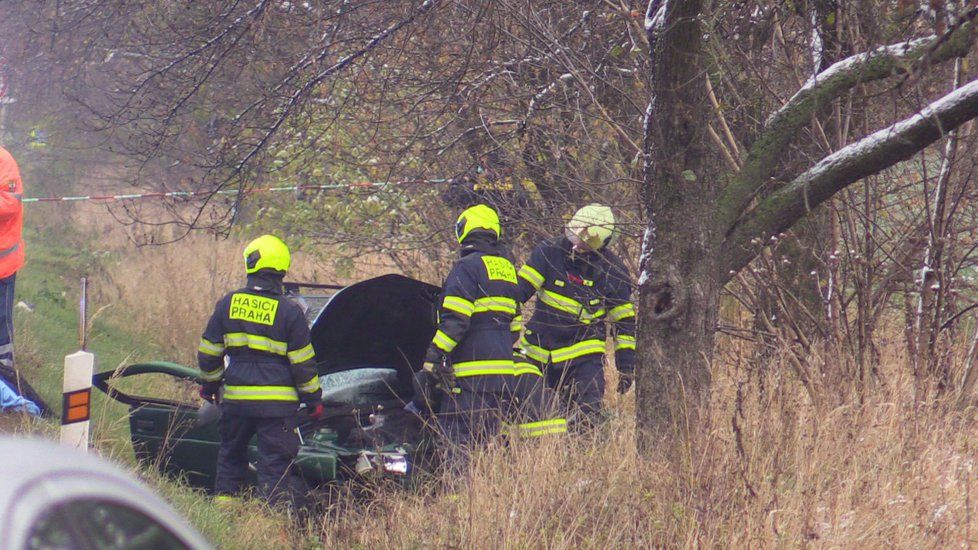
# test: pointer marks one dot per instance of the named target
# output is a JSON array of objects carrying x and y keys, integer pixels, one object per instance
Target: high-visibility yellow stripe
[
  {"x": 624, "y": 341},
  {"x": 458, "y": 305},
  {"x": 560, "y": 355},
  {"x": 516, "y": 324},
  {"x": 623, "y": 311},
  {"x": 260, "y": 393},
  {"x": 561, "y": 302},
  {"x": 542, "y": 428},
  {"x": 500, "y": 304},
  {"x": 521, "y": 367},
  {"x": 547, "y": 298},
  {"x": 483, "y": 368},
  {"x": 302, "y": 354},
  {"x": 580, "y": 349},
  {"x": 569, "y": 305},
  {"x": 444, "y": 341},
  {"x": 255, "y": 342},
  {"x": 212, "y": 375},
  {"x": 535, "y": 352},
  {"x": 310, "y": 386},
  {"x": 210, "y": 348},
  {"x": 532, "y": 276}
]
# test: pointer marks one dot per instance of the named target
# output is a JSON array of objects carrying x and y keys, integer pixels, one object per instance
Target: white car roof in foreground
[{"x": 39, "y": 474}]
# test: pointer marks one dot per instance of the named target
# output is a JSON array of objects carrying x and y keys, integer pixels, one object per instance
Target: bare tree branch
[
  {"x": 835, "y": 172},
  {"x": 782, "y": 127}
]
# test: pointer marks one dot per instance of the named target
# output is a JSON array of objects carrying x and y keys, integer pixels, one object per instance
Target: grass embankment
[
  {"x": 50, "y": 284},
  {"x": 118, "y": 335},
  {"x": 764, "y": 466}
]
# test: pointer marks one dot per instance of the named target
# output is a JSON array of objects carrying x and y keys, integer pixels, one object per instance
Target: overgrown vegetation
[
  {"x": 764, "y": 466},
  {"x": 795, "y": 181}
]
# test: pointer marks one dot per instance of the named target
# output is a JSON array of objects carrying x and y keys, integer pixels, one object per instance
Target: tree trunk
[{"x": 679, "y": 286}]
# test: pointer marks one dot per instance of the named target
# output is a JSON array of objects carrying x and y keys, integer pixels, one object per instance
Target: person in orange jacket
[{"x": 11, "y": 249}]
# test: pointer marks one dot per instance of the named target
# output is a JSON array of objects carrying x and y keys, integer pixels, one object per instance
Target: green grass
[{"x": 50, "y": 283}]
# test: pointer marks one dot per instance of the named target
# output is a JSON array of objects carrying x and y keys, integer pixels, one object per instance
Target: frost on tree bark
[
  {"x": 680, "y": 283},
  {"x": 702, "y": 221}
]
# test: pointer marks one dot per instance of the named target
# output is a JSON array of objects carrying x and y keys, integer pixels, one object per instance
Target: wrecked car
[{"x": 370, "y": 339}]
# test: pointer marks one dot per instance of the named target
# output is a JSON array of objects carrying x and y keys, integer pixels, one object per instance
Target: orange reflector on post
[
  {"x": 76, "y": 406},
  {"x": 77, "y": 400}
]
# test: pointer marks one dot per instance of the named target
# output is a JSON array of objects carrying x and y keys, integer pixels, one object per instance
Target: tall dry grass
[
  {"x": 887, "y": 473},
  {"x": 168, "y": 291},
  {"x": 764, "y": 468}
]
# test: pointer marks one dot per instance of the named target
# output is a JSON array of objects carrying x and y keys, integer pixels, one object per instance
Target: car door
[{"x": 167, "y": 433}]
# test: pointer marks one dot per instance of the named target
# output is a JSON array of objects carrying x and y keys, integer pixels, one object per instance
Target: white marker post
[
  {"x": 77, "y": 399},
  {"x": 76, "y": 403}
]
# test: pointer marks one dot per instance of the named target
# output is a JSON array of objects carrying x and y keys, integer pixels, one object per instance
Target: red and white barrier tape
[{"x": 189, "y": 194}]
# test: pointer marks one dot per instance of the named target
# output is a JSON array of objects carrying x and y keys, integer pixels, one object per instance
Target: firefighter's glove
[
  {"x": 209, "y": 393},
  {"x": 442, "y": 372},
  {"x": 625, "y": 380},
  {"x": 423, "y": 400},
  {"x": 316, "y": 412}
]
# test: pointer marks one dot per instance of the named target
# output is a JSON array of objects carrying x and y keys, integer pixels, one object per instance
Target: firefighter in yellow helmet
[
  {"x": 270, "y": 370},
  {"x": 580, "y": 285},
  {"x": 470, "y": 355}
]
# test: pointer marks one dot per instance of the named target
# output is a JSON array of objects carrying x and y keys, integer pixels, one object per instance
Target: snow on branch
[
  {"x": 784, "y": 125},
  {"x": 851, "y": 69},
  {"x": 565, "y": 78},
  {"x": 655, "y": 15},
  {"x": 870, "y": 155}
]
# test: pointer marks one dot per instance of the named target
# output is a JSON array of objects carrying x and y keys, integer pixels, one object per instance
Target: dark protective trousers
[
  {"x": 580, "y": 386},
  {"x": 278, "y": 445},
  {"x": 533, "y": 409},
  {"x": 468, "y": 419},
  {"x": 7, "y": 321}
]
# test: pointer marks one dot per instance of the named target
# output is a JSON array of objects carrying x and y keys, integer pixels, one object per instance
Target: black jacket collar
[
  {"x": 268, "y": 282},
  {"x": 483, "y": 242},
  {"x": 589, "y": 265}
]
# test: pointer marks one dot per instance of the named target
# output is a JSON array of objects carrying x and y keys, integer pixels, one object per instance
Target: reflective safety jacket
[
  {"x": 576, "y": 295},
  {"x": 478, "y": 304},
  {"x": 271, "y": 365},
  {"x": 11, "y": 216}
]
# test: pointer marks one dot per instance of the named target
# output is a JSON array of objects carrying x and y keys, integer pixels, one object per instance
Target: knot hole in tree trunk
[{"x": 667, "y": 295}]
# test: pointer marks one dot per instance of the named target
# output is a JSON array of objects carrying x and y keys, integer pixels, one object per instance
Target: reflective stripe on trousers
[{"x": 540, "y": 428}]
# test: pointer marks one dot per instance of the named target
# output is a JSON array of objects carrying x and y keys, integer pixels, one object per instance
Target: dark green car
[{"x": 370, "y": 339}]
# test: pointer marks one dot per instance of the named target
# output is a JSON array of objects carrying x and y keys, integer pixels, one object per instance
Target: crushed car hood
[{"x": 387, "y": 321}]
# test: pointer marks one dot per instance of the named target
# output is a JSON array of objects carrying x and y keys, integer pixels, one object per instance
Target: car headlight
[{"x": 396, "y": 463}]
